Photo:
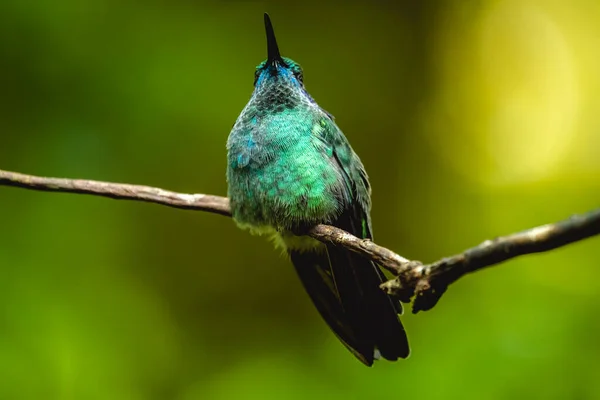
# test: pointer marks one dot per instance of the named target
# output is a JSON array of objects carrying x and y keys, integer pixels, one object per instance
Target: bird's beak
[{"x": 273, "y": 55}]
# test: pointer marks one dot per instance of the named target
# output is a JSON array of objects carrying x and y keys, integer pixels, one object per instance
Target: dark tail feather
[
  {"x": 315, "y": 274},
  {"x": 345, "y": 290},
  {"x": 372, "y": 311}
]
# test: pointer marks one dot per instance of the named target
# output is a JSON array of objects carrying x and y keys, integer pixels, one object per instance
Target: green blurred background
[{"x": 473, "y": 118}]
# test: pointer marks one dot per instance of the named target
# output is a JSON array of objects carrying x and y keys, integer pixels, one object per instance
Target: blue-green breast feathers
[{"x": 289, "y": 164}]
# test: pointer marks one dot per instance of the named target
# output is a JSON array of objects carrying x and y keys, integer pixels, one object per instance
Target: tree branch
[
  {"x": 427, "y": 283},
  {"x": 430, "y": 281},
  {"x": 121, "y": 191}
]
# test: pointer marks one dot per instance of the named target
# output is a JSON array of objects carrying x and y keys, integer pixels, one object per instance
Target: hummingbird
[{"x": 290, "y": 168}]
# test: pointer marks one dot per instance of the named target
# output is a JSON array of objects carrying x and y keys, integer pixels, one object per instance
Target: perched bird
[{"x": 290, "y": 168}]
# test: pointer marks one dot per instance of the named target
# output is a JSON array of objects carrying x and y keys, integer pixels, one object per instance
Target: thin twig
[{"x": 426, "y": 282}]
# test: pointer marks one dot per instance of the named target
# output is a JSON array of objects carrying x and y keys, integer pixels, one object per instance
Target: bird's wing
[{"x": 357, "y": 279}]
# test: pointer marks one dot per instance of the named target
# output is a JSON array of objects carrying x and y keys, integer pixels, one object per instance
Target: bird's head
[{"x": 277, "y": 69}]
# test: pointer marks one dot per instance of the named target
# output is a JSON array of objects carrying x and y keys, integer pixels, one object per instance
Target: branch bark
[{"x": 426, "y": 283}]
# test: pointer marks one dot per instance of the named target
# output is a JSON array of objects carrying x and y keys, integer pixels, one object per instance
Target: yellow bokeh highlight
[{"x": 514, "y": 87}]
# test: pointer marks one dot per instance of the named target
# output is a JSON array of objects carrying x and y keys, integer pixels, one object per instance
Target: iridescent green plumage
[{"x": 289, "y": 168}]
